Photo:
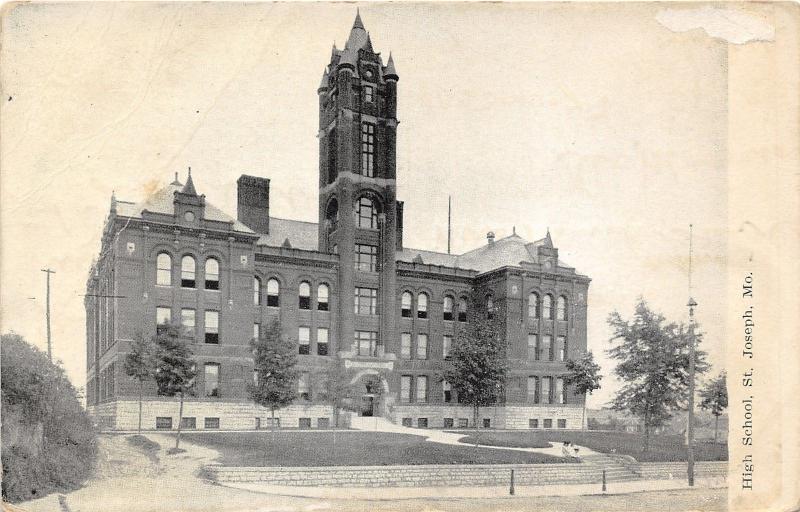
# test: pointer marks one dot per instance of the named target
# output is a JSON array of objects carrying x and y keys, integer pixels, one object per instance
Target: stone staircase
[{"x": 617, "y": 470}]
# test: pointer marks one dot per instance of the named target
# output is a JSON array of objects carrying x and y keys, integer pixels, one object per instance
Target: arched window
[
  {"x": 489, "y": 307},
  {"x": 533, "y": 305},
  {"x": 322, "y": 297},
  {"x": 304, "y": 295},
  {"x": 462, "y": 310},
  {"x": 561, "y": 308},
  {"x": 547, "y": 307},
  {"x": 448, "y": 308},
  {"x": 366, "y": 213},
  {"x": 273, "y": 293},
  {"x": 212, "y": 274},
  {"x": 164, "y": 269},
  {"x": 187, "y": 272},
  {"x": 256, "y": 291},
  {"x": 422, "y": 305},
  {"x": 405, "y": 305}
]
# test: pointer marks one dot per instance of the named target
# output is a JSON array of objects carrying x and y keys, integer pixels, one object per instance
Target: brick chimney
[{"x": 253, "y": 202}]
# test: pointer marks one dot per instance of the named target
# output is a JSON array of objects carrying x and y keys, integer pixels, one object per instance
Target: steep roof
[
  {"x": 300, "y": 234},
  {"x": 162, "y": 202},
  {"x": 508, "y": 251}
]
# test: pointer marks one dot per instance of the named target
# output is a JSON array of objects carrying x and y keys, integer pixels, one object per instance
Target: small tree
[
  {"x": 175, "y": 368},
  {"x": 654, "y": 365},
  {"x": 140, "y": 363},
  {"x": 337, "y": 390},
  {"x": 477, "y": 366},
  {"x": 715, "y": 398},
  {"x": 584, "y": 374},
  {"x": 274, "y": 360}
]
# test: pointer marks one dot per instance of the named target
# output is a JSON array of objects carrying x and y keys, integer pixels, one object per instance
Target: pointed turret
[
  {"x": 323, "y": 84},
  {"x": 349, "y": 59},
  {"x": 176, "y": 182},
  {"x": 113, "y": 201},
  {"x": 389, "y": 72},
  {"x": 358, "y": 35},
  {"x": 189, "y": 189},
  {"x": 358, "y": 23},
  {"x": 548, "y": 242}
]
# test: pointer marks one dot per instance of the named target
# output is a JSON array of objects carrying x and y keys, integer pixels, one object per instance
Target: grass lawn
[
  {"x": 662, "y": 448},
  {"x": 352, "y": 448}
]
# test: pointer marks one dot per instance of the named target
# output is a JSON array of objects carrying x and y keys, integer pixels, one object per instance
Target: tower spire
[{"x": 189, "y": 187}]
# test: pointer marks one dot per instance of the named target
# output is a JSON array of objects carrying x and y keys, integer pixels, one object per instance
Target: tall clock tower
[{"x": 358, "y": 210}]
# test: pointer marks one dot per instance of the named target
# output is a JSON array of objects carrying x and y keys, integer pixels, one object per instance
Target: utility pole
[
  {"x": 48, "y": 271},
  {"x": 690, "y": 426}
]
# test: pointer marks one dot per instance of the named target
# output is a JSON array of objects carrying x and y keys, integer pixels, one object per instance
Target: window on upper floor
[
  {"x": 212, "y": 274},
  {"x": 304, "y": 340},
  {"x": 489, "y": 307},
  {"x": 304, "y": 295},
  {"x": 422, "y": 305},
  {"x": 367, "y": 149},
  {"x": 212, "y": 327},
  {"x": 304, "y": 386},
  {"x": 188, "y": 272},
  {"x": 273, "y": 293},
  {"x": 422, "y": 389},
  {"x": 462, "y": 310},
  {"x": 405, "y": 345},
  {"x": 405, "y": 388},
  {"x": 366, "y": 213},
  {"x": 547, "y": 307},
  {"x": 366, "y": 258},
  {"x": 545, "y": 393},
  {"x": 422, "y": 346},
  {"x": 369, "y": 94},
  {"x": 533, "y": 305},
  {"x": 447, "y": 345},
  {"x": 562, "y": 348},
  {"x": 256, "y": 291},
  {"x": 164, "y": 269},
  {"x": 560, "y": 395},
  {"x": 367, "y": 342},
  {"x": 163, "y": 318},
  {"x": 447, "y": 308},
  {"x": 187, "y": 322},
  {"x": 322, "y": 297},
  {"x": 322, "y": 341},
  {"x": 405, "y": 305},
  {"x": 561, "y": 308},
  {"x": 447, "y": 391},
  {"x": 366, "y": 301}
]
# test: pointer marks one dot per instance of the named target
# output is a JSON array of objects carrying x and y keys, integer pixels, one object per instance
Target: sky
[{"x": 593, "y": 120}]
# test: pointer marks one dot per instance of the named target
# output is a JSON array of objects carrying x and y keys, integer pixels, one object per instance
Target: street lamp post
[{"x": 690, "y": 427}]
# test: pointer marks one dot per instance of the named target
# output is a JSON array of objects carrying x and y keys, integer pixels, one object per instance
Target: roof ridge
[{"x": 293, "y": 220}]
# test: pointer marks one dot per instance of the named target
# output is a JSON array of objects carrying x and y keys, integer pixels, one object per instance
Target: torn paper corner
[{"x": 731, "y": 25}]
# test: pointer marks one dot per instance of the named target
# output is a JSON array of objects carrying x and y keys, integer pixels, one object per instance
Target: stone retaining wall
[
  {"x": 502, "y": 417},
  {"x": 449, "y": 475}
]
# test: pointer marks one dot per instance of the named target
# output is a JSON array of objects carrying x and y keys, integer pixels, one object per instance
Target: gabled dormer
[{"x": 189, "y": 207}]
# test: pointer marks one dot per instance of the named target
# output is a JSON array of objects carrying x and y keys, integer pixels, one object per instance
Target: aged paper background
[{"x": 527, "y": 128}]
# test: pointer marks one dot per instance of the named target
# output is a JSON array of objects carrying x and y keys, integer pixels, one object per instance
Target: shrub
[{"x": 48, "y": 440}]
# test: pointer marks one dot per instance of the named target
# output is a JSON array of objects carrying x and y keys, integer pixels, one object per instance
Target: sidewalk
[{"x": 399, "y": 493}]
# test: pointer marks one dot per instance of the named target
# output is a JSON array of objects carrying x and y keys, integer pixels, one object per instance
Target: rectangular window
[
  {"x": 323, "y": 422},
  {"x": 545, "y": 391},
  {"x": 366, "y": 258},
  {"x": 560, "y": 395},
  {"x": 422, "y": 346},
  {"x": 533, "y": 341},
  {"x": 304, "y": 423},
  {"x": 304, "y": 339},
  {"x": 212, "y": 326},
  {"x": 189, "y": 422},
  {"x": 407, "y": 422},
  {"x": 447, "y": 391},
  {"x": 366, "y": 301},
  {"x": 487, "y": 423},
  {"x": 448, "y": 423},
  {"x": 369, "y": 94},
  {"x": 187, "y": 322},
  {"x": 304, "y": 386},
  {"x": 447, "y": 345},
  {"x": 422, "y": 389},
  {"x": 163, "y": 317},
  {"x": 164, "y": 423},
  {"x": 548, "y": 423},
  {"x": 367, "y": 149},
  {"x": 562, "y": 423},
  {"x": 405, "y": 388},
  {"x": 211, "y": 423},
  {"x": 366, "y": 341},
  {"x": 562, "y": 348},
  {"x": 256, "y": 330},
  {"x": 212, "y": 379},
  {"x": 405, "y": 345},
  {"x": 463, "y": 422},
  {"x": 533, "y": 389},
  {"x": 533, "y": 423},
  {"x": 322, "y": 341},
  {"x": 422, "y": 422},
  {"x": 547, "y": 347}
]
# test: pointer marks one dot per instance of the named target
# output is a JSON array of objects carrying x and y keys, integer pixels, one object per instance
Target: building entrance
[{"x": 367, "y": 405}]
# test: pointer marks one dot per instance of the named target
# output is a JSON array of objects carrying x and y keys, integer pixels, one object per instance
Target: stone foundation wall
[
  {"x": 232, "y": 415},
  {"x": 508, "y": 416},
  {"x": 678, "y": 470}
]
